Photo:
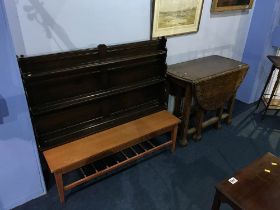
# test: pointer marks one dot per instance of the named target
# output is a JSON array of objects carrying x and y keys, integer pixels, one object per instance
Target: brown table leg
[
  {"x": 199, "y": 116},
  {"x": 219, "y": 115},
  {"x": 59, "y": 185},
  {"x": 217, "y": 201},
  {"x": 186, "y": 115},
  {"x": 177, "y": 106},
  {"x": 173, "y": 137},
  {"x": 230, "y": 109},
  {"x": 221, "y": 198}
]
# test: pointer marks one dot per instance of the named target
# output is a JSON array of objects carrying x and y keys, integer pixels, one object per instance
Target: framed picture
[
  {"x": 226, "y": 5},
  {"x": 173, "y": 17}
]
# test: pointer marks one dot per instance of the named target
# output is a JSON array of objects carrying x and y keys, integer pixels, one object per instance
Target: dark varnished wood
[
  {"x": 186, "y": 115},
  {"x": 219, "y": 114},
  {"x": 255, "y": 189},
  {"x": 201, "y": 69},
  {"x": 211, "y": 82},
  {"x": 78, "y": 93},
  {"x": 212, "y": 94}
]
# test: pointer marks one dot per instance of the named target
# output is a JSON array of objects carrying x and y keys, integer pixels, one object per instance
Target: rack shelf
[
  {"x": 274, "y": 104},
  {"x": 69, "y": 102},
  {"x": 120, "y": 159},
  {"x": 78, "y": 68},
  {"x": 78, "y": 93},
  {"x": 94, "y": 125}
]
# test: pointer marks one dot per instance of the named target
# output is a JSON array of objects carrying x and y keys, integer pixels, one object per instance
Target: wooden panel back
[{"x": 74, "y": 94}]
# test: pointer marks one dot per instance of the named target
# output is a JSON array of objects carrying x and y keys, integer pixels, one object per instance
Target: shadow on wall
[
  {"x": 262, "y": 76},
  {"x": 237, "y": 50},
  {"x": 36, "y": 12},
  {"x": 1, "y": 204},
  {"x": 190, "y": 55},
  {"x": 229, "y": 13},
  {"x": 14, "y": 119},
  {"x": 4, "y": 112}
]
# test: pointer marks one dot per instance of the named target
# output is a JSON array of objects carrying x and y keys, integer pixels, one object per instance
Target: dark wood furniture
[
  {"x": 78, "y": 93},
  {"x": 209, "y": 82},
  {"x": 268, "y": 98},
  {"x": 98, "y": 109},
  {"x": 257, "y": 187}
]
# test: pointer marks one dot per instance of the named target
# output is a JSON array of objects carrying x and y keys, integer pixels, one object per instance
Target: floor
[{"x": 183, "y": 180}]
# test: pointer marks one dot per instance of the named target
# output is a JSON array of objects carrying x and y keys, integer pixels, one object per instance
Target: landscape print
[
  {"x": 172, "y": 17},
  {"x": 177, "y": 13}
]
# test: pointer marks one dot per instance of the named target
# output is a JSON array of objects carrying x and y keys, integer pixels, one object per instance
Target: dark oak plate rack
[{"x": 78, "y": 93}]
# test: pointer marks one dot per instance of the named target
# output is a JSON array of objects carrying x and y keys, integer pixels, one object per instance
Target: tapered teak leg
[
  {"x": 59, "y": 185},
  {"x": 186, "y": 115},
  {"x": 173, "y": 137}
]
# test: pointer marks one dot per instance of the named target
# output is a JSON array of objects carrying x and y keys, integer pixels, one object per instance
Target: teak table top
[
  {"x": 204, "y": 68},
  {"x": 109, "y": 141},
  {"x": 256, "y": 188}
]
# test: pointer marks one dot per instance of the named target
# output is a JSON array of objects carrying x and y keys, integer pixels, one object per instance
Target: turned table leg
[
  {"x": 186, "y": 115},
  {"x": 174, "y": 137},
  {"x": 230, "y": 109},
  {"x": 177, "y": 106},
  {"x": 219, "y": 115},
  {"x": 199, "y": 116},
  {"x": 59, "y": 185}
]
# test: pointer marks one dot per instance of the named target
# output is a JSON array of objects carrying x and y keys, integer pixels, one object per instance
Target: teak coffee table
[{"x": 257, "y": 188}]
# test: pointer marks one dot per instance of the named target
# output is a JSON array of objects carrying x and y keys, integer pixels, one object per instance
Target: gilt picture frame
[
  {"x": 176, "y": 17},
  {"x": 228, "y": 5}
]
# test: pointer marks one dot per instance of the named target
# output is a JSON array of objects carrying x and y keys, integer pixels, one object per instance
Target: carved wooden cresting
[{"x": 78, "y": 93}]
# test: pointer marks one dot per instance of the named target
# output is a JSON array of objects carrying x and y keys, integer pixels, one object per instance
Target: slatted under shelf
[
  {"x": 110, "y": 163},
  {"x": 275, "y": 103}
]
